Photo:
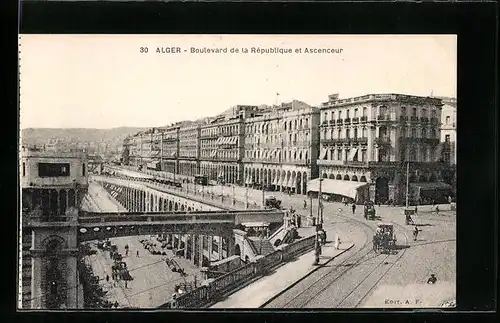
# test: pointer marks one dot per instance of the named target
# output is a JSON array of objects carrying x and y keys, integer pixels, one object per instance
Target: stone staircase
[{"x": 263, "y": 246}]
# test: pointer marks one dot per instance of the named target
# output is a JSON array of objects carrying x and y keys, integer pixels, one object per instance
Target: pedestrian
[
  {"x": 437, "y": 209},
  {"x": 337, "y": 242},
  {"x": 432, "y": 279},
  {"x": 137, "y": 253},
  {"x": 416, "y": 209},
  {"x": 126, "y": 284},
  {"x": 353, "y": 208},
  {"x": 305, "y": 204},
  {"x": 107, "y": 278},
  {"x": 116, "y": 304},
  {"x": 415, "y": 233}
]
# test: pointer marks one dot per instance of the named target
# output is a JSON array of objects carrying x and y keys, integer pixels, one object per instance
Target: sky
[{"x": 105, "y": 81}]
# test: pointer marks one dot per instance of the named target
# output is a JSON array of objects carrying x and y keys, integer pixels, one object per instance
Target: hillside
[{"x": 113, "y": 136}]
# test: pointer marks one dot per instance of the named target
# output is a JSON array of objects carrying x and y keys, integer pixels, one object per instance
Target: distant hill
[{"x": 113, "y": 136}]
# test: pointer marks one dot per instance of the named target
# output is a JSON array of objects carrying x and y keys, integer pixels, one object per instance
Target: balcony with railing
[
  {"x": 413, "y": 118},
  {"x": 347, "y": 120},
  {"x": 332, "y": 122},
  {"x": 383, "y": 141},
  {"x": 424, "y": 119},
  {"x": 383, "y": 117},
  {"x": 339, "y": 121},
  {"x": 342, "y": 162},
  {"x": 355, "y": 120},
  {"x": 364, "y": 119},
  {"x": 360, "y": 140},
  {"x": 403, "y": 118},
  {"x": 324, "y": 123},
  {"x": 330, "y": 141}
]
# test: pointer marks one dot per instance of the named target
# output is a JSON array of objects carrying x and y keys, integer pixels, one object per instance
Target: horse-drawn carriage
[
  {"x": 369, "y": 210},
  {"x": 384, "y": 239}
]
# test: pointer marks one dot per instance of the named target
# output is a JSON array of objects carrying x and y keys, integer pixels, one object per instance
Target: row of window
[
  {"x": 276, "y": 155},
  {"x": 221, "y": 130},
  {"x": 277, "y": 139},
  {"x": 382, "y": 110},
  {"x": 273, "y": 126},
  {"x": 343, "y": 154}
]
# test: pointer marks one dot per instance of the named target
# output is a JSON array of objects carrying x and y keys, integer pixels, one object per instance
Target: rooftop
[{"x": 335, "y": 101}]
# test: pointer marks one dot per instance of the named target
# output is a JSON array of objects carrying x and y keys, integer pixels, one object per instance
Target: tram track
[
  {"x": 364, "y": 285},
  {"x": 324, "y": 281}
]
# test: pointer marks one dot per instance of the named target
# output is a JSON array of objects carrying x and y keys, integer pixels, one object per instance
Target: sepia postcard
[{"x": 176, "y": 172}]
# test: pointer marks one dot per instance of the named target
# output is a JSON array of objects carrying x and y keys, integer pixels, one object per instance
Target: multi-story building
[
  {"x": 169, "y": 153},
  {"x": 53, "y": 187},
  {"x": 189, "y": 149},
  {"x": 281, "y": 147},
  {"x": 449, "y": 129},
  {"x": 222, "y": 145},
  {"x": 372, "y": 139}
]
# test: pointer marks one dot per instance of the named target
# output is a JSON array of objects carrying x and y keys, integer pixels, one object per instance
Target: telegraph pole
[{"x": 407, "y": 182}]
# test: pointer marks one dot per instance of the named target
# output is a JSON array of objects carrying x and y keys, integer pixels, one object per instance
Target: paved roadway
[
  {"x": 153, "y": 282},
  {"x": 99, "y": 200},
  {"x": 381, "y": 280},
  {"x": 360, "y": 278}
]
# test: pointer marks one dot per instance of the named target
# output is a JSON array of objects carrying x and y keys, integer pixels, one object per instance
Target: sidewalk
[{"x": 264, "y": 289}]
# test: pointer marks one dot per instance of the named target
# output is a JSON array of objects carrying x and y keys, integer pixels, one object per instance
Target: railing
[
  {"x": 413, "y": 118},
  {"x": 347, "y": 120},
  {"x": 361, "y": 140},
  {"x": 340, "y": 121},
  {"x": 383, "y": 141},
  {"x": 364, "y": 119},
  {"x": 341, "y": 162},
  {"x": 383, "y": 117},
  {"x": 212, "y": 292},
  {"x": 424, "y": 120},
  {"x": 332, "y": 122},
  {"x": 403, "y": 118},
  {"x": 324, "y": 123},
  {"x": 355, "y": 120}
]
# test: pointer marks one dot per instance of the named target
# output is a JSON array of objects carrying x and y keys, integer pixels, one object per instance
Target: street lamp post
[
  {"x": 263, "y": 195},
  {"x": 320, "y": 206},
  {"x": 246, "y": 197},
  {"x": 234, "y": 198}
]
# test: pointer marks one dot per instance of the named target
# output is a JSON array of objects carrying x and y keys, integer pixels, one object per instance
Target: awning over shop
[
  {"x": 429, "y": 186},
  {"x": 323, "y": 154},
  {"x": 214, "y": 153},
  {"x": 153, "y": 164},
  {"x": 221, "y": 174},
  {"x": 333, "y": 186},
  {"x": 173, "y": 154},
  {"x": 234, "y": 140},
  {"x": 352, "y": 154}
]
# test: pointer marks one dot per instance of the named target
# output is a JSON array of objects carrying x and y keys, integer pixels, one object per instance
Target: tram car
[{"x": 384, "y": 239}]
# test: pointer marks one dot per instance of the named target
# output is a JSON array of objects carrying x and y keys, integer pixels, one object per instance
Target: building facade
[
  {"x": 372, "y": 139},
  {"x": 53, "y": 187},
  {"x": 189, "y": 149},
  {"x": 169, "y": 149},
  {"x": 281, "y": 147},
  {"x": 449, "y": 130}
]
